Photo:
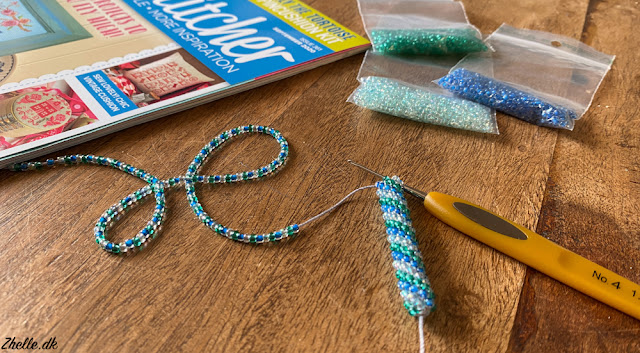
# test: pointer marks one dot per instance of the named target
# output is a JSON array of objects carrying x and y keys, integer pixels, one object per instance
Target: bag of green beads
[
  {"x": 419, "y": 27},
  {"x": 403, "y": 87}
]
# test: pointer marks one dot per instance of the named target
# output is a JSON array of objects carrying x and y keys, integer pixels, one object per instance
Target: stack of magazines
[{"x": 74, "y": 71}]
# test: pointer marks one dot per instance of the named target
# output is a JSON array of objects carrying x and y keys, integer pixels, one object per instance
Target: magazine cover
[{"x": 73, "y": 69}]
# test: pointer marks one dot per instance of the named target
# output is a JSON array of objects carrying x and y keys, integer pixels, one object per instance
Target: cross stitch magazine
[{"x": 74, "y": 70}]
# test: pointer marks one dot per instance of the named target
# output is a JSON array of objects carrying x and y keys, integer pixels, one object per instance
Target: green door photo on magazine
[{"x": 33, "y": 24}]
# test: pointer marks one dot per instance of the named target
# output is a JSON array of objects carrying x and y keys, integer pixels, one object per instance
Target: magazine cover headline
[{"x": 244, "y": 39}]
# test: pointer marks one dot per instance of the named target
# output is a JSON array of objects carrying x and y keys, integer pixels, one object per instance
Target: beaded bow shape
[
  {"x": 413, "y": 283},
  {"x": 157, "y": 188}
]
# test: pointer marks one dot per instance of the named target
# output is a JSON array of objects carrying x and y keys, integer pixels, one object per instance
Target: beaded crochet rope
[{"x": 413, "y": 283}]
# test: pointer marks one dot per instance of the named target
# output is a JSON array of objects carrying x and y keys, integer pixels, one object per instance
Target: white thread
[
  {"x": 421, "y": 332},
  {"x": 336, "y": 205}
]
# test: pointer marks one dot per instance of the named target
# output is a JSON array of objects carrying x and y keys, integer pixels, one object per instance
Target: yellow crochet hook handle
[
  {"x": 532, "y": 249},
  {"x": 536, "y": 251}
]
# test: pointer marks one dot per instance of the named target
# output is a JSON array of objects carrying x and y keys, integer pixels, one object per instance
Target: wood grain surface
[{"x": 332, "y": 289}]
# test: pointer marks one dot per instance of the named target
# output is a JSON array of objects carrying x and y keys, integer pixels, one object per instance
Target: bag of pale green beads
[
  {"x": 414, "y": 27},
  {"x": 402, "y": 87}
]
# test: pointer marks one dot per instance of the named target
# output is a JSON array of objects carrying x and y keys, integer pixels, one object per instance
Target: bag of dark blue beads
[
  {"x": 404, "y": 87},
  {"x": 539, "y": 77},
  {"x": 419, "y": 27}
]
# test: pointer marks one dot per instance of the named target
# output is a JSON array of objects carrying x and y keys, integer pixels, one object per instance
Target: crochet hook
[{"x": 531, "y": 249}]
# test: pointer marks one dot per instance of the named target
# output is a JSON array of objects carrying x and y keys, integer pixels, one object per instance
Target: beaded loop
[
  {"x": 191, "y": 178},
  {"x": 415, "y": 288},
  {"x": 109, "y": 217},
  {"x": 113, "y": 213},
  {"x": 157, "y": 188}
]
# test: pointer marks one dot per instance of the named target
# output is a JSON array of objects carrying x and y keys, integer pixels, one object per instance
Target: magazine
[{"x": 74, "y": 70}]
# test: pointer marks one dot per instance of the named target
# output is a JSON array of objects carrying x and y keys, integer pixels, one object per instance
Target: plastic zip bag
[
  {"x": 540, "y": 77},
  {"x": 403, "y": 87},
  {"x": 414, "y": 27}
]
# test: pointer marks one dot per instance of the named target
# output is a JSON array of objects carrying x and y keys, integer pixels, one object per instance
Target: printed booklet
[{"x": 74, "y": 70}]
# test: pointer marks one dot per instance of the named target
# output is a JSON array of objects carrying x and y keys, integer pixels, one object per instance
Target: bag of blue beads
[
  {"x": 419, "y": 27},
  {"x": 403, "y": 87},
  {"x": 542, "y": 78}
]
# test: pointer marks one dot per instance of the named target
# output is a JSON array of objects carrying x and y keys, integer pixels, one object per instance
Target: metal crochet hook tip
[{"x": 415, "y": 192}]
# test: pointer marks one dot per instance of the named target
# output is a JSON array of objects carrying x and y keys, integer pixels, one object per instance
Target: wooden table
[{"x": 333, "y": 289}]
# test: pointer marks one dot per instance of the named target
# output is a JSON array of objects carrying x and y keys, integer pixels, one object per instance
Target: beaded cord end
[
  {"x": 413, "y": 283},
  {"x": 426, "y": 41},
  {"x": 396, "y": 98},
  {"x": 508, "y": 99}
]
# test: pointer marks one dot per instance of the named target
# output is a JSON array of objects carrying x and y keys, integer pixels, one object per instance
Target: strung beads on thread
[
  {"x": 110, "y": 216},
  {"x": 270, "y": 168},
  {"x": 157, "y": 188}
]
